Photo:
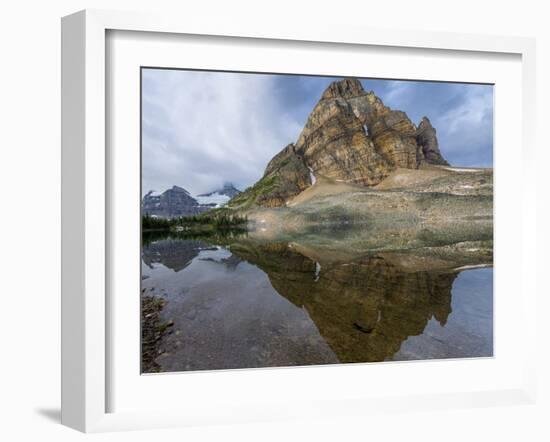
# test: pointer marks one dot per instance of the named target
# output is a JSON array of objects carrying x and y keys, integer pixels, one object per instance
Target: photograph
[{"x": 297, "y": 220}]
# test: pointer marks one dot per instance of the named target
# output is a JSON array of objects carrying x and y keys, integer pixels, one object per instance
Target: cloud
[
  {"x": 201, "y": 129},
  {"x": 467, "y": 128},
  {"x": 397, "y": 91}
]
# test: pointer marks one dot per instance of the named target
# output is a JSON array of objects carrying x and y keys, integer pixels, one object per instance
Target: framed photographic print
[
  {"x": 358, "y": 241},
  {"x": 261, "y": 223}
]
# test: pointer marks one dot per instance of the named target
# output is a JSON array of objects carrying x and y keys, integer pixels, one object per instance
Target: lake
[{"x": 242, "y": 303}]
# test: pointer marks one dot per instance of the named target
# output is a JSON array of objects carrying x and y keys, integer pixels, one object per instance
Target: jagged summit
[
  {"x": 346, "y": 88},
  {"x": 427, "y": 139},
  {"x": 219, "y": 197},
  {"x": 228, "y": 189},
  {"x": 173, "y": 202},
  {"x": 179, "y": 189},
  {"x": 350, "y": 136}
]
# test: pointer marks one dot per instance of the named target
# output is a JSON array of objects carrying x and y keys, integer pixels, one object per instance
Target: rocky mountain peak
[
  {"x": 229, "y": 189},
  {"x": 171, "y": 203},
  {"x": 178, "y": 189},
  {"x": 427, "y": 140},
  {"x": 219, "y": 197},
  {"x": 346, "y": 88},
  {"x": 350, "y": 136}
]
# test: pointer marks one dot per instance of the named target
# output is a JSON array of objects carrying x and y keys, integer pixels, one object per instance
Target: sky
[{"x": 203, "y": 129}]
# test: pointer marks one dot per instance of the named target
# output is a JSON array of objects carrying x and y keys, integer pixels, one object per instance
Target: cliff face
[
  {"x": 334, "y": 144},
  {"x": 392, "y": 134},
  {"x": 427, "y": 140},
  {"x": 350, "y": 136}
]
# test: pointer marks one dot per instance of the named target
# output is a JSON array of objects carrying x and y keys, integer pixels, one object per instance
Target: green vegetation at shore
[{"x": 212, "y": 221}]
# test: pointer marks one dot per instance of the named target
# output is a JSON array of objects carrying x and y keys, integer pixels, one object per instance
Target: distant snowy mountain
[
  {"x": 177, "y": 201},
  {"x": 171, "y": 203},
  {"x": 218, "y": 197}
]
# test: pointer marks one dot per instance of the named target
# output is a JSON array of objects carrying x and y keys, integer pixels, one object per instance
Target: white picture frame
[{"x": 86, "y": 202}]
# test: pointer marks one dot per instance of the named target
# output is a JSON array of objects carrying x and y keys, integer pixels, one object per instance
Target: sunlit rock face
[
  {"x": 350, "y": 136},
  {"x": 391, "y": 132},
  {"x": 364, "y": 308},
  {"x": 334, "y": 144}
]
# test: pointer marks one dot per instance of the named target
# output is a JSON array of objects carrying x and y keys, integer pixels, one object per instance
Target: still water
[{"x": 244, "y": 304}]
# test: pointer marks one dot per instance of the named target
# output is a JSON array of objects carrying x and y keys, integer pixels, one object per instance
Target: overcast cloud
[{"x": 202, "y": 129}]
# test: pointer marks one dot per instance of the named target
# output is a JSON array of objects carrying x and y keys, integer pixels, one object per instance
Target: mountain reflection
[
  {"x": 364, "y": 309},
  {"x": 172, "y": 253},
  {"x": 359, "y": 308}
]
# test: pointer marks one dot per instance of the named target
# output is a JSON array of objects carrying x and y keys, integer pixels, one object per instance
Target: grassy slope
[{"x": 247, "y": 199}]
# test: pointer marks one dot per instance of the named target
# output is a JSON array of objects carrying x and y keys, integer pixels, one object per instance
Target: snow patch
[
  {"x": 216, "y": 198},
  {"x": 457, "y": 169},
  {"x": 472, "y": 266},
  {"x": 312, "y": 176}
]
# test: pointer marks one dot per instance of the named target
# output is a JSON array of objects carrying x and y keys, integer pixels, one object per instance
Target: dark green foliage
[
  {"x": 212, "y": 220},
  {"x": 217, "y": 237},
  {"x": 149, "y": 222}
]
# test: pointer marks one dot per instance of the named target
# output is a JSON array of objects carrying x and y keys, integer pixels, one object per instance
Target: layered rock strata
[{"x": 350, "y": 136}]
